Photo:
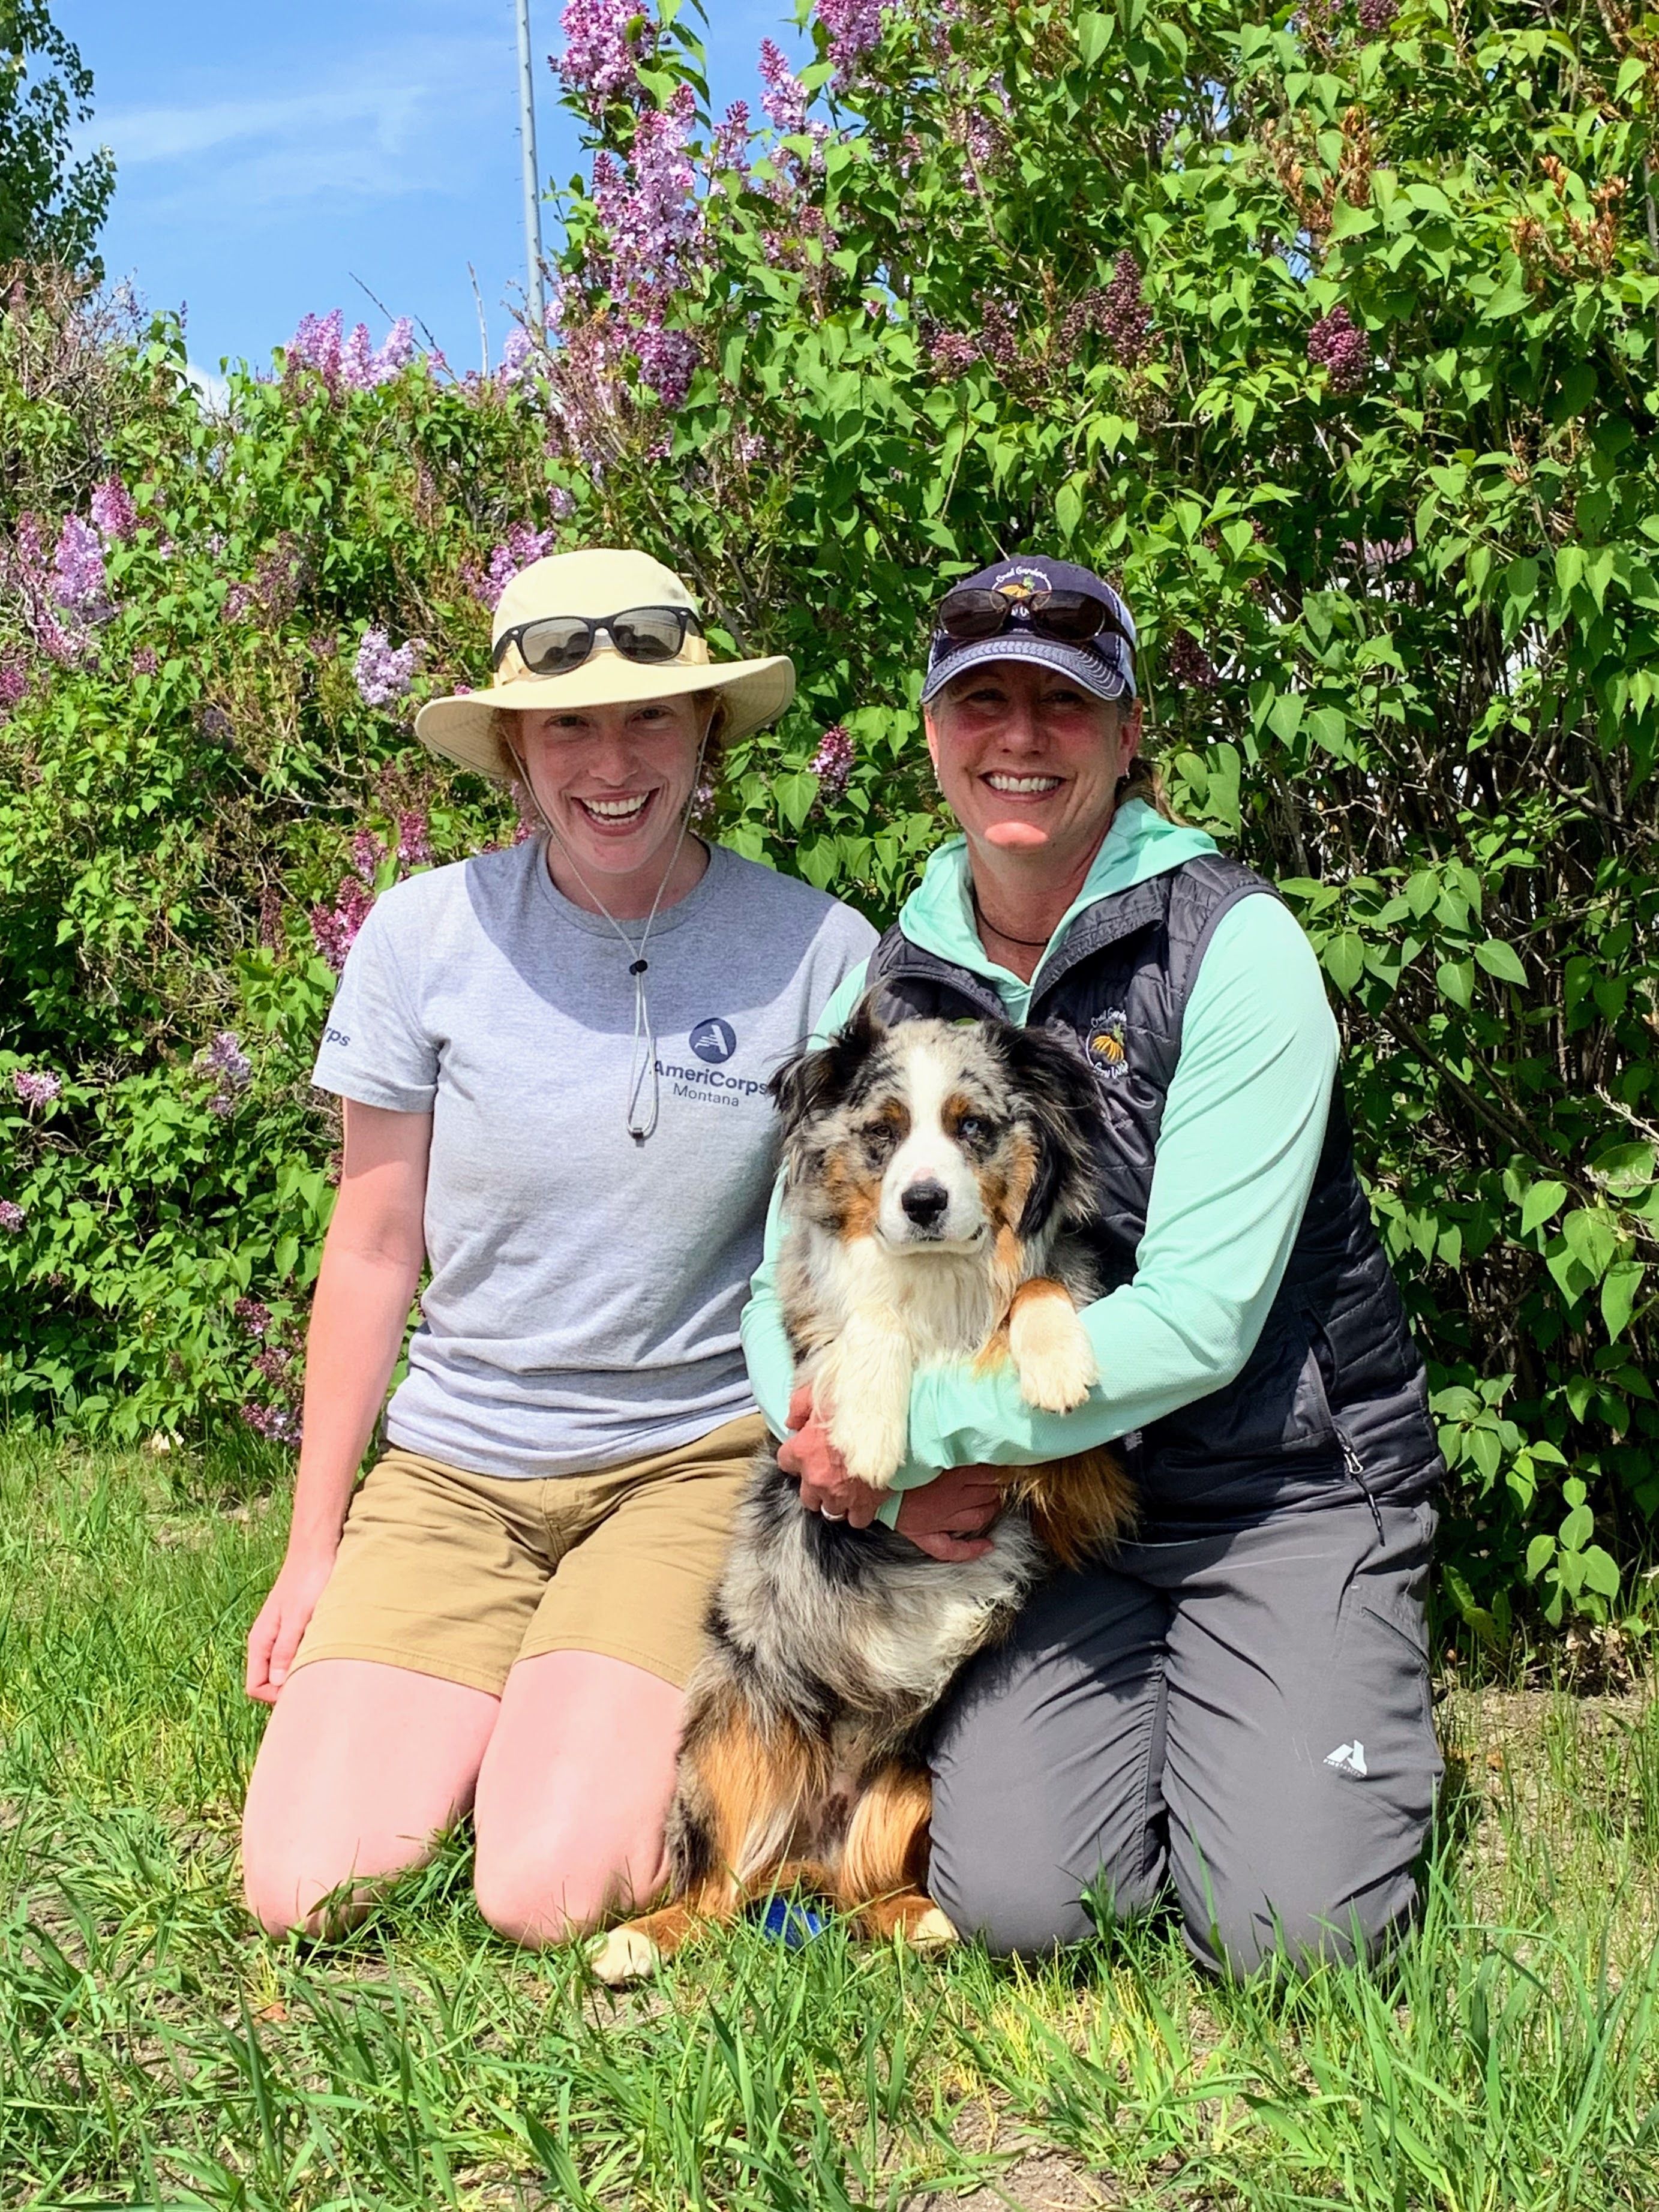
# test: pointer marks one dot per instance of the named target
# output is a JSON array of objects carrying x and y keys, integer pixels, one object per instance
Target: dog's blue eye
[{"x": 970, "y": 1125}]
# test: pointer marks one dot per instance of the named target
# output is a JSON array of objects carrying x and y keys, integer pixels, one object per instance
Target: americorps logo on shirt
[{"x": 712, "y": 1042}]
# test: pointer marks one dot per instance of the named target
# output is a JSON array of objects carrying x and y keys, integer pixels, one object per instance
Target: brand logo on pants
[{"x": 1347, "y": 1759}]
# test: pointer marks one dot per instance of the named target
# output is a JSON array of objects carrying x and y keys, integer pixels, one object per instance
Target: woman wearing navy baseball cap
[{"x": 1234, "y": 1714}]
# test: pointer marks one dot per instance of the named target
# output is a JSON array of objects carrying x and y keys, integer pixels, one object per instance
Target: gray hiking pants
[{"x": 1239, "y": 1716}]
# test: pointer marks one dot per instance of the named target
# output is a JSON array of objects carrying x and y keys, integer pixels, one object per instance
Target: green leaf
[
  {"x": 1068, "y": 510},
  {"x": 1621, "y": 1287},
  {"x": 1601, "y": 1574},
  {"x": 1500, "y": 960},
  {"x": 1345, "y": 960},
  {"x": 1542, "y": 1202},
  {"x": 1577, "y": 1529},
  {"x": 1094, "y": 37},
  {"x": 1590, "y": 1238},
  {"x": 1540, "y": 1552},
  {"x": 1456, "y": 980}
]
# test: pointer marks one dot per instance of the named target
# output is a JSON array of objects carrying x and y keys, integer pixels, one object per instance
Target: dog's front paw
[
  {"x": 933, "y": 1931},
  {"x": 1050, "y": 1349},
  {"x": 623, "y": 1955},
  {"x": 870, "y": 1441}
]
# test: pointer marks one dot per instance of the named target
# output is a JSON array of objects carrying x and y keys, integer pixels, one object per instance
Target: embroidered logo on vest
[{"x": 1105, "y": 1043}]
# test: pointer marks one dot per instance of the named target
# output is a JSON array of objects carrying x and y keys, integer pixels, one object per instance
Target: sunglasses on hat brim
[
  {"x": 553, "y": 645},
  {"x": 1069, "y": 618}
]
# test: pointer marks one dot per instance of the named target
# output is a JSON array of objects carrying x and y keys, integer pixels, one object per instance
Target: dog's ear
[
  {"x": 819, "y": 1077},
  {"x": 1057, "y": 1092}
]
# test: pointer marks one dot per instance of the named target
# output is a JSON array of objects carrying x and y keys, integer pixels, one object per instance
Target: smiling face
[
  {"x": 615, "y": 783},
  {"x": 1029, "y": 760}
]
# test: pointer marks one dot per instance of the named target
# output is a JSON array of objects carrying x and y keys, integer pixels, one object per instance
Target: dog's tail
[{"x": 1080, "y": 1508}]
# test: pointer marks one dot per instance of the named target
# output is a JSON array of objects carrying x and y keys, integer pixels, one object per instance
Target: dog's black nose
[{"x": 924, "y": 1203}]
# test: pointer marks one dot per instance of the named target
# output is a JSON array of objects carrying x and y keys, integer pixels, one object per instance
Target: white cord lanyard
[{"x": 642, "y": 1056}]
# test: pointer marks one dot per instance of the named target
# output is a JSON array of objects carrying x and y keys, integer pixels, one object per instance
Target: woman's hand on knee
[{"x": 281, "y": 1621}]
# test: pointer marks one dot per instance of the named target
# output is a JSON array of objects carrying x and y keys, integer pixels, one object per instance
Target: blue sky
[{"x": 267, "y": 156}]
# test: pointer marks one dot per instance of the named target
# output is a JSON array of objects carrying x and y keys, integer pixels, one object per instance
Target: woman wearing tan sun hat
[{"x": 553, "y": 1061}]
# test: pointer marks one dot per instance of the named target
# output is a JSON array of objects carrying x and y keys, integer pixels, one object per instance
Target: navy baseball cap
[{"x": 1103, "y": 664}]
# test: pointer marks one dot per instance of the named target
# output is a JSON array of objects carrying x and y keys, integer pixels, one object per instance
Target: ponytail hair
[{"x": 1145, "y": 780}]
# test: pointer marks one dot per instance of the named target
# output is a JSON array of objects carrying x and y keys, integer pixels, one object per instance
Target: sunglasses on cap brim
[
  {"x": 553, "y": 645},
  {"x": 1068, "y": 617}
]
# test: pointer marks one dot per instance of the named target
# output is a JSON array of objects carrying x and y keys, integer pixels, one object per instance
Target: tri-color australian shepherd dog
[{"x": 937, "y": 1178}]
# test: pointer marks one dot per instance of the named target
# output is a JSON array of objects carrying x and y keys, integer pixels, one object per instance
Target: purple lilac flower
[
  {"x": 650, "y": 210},
  {"x": 78, "y": 581},
  {"x": 518, "y": 359},
  {"x": 367, "y": 853},
  {"x": 384, "y": 672},
  {"x": 277, "y": 575},
  {"x": 273, "y": 1364},
  {"x": 1377, "y": 16},
  {"x": 999, "y": 337},
  {"x": 281, "y": 1424},
  {"x": 785, "y": 97},
  {"x": 1338, "y": 345},
  {"x": 667, "y": 361},
  {"x": 12, "y": 1216},
  {"x": 953, "y": 354},
  {"x": 26, "y": 571},
  {"x": 316, "y": 345},
  {"x": 1189, "y": 667},
  {"x": 414, "y": 840},
  {"x": 832, "y": 763},
  {"x": 253, "y": 1315},
  {"x": 144, "y": 661},
  {"x": 216, "y": 725},
  {"x": 730, "y": 148},
  {"x": 335, "y": 928},
  {"x": 1126, "y": 320},
  {"x": 238, "y": 597},
  {"x": 225, "y": 1058},
  {"x": 364, "y": 367},
  {"x": 561, "y": 505},
  {"x": 852, "y": 27},
  {"x": 36, "y": 1089},
  {"x": 604, "y": 43},
  {"x": 521, "y": 546},
  {"x": 13, "y": 685},
  {"x": 113, "y": 514}
]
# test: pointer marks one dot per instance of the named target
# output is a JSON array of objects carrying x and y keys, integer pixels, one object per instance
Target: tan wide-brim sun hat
[{"x": 602, "y": 581}]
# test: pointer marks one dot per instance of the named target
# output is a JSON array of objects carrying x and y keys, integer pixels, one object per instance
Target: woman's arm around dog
[{"x": 372, "y": 1260}]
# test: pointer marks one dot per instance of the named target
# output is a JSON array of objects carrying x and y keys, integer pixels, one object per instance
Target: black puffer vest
[{"x": 1333, "y": 1393}]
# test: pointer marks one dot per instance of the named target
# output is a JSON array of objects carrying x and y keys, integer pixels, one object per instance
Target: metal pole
[{"x": 534, "y": 297}]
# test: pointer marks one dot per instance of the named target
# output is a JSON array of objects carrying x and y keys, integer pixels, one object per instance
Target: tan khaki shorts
[{"x": 461, "y": 1574}]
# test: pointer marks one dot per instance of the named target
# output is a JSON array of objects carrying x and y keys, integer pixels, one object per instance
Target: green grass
[{"x": 153, "y": 2052}]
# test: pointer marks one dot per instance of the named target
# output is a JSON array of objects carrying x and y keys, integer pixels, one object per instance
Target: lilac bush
[
  {"x": 1124, "y": 320},
  {"x": 851, "y": 29},
  {"x": 350, "y": 363},
  {"x": 78, "y": 581},
  {"x": 36, "y": 1089},
  {"x": 12, "y": 1216},
  {"x": 832, "y": 763},
  {"x": 383, "y": 671},
  {"x": 1341, "y": 349},
  {"x": 521, "y": 546},
  {"x": 334, "y": 928},
  {"x": 605, "y": 41},
  {"x": 113, "y": 514},
  {"x": 784, "y": 99}
]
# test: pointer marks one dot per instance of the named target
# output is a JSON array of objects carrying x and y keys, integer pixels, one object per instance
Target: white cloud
[{"x": 382, "y": 123}]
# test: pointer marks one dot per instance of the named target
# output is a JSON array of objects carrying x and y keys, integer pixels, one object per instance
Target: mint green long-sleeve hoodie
[{"x": 1242, "y": 1127}]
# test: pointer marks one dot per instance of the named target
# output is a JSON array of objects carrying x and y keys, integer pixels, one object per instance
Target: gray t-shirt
[{"x": 585, "y": 1289}]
